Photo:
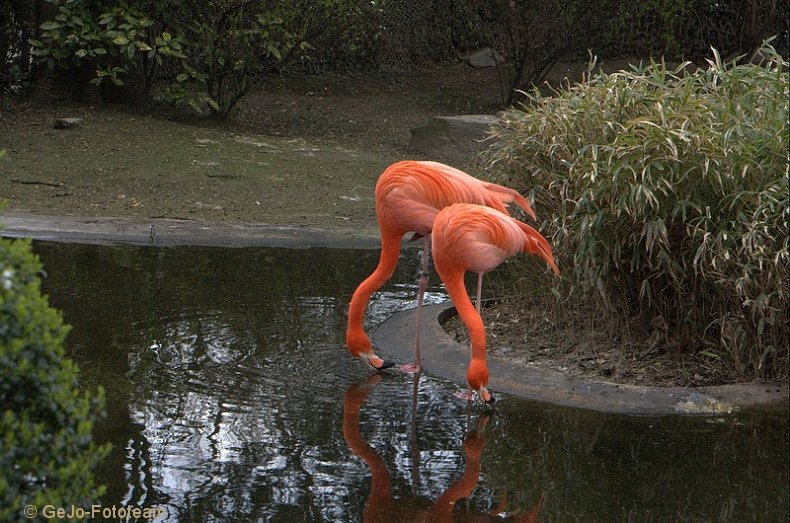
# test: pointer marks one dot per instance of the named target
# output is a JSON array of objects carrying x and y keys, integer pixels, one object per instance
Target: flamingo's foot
[
  {"x": 466, "y": 395},
  {"x": 410, "y": 368},
  {"x": 481, "y": 396}
]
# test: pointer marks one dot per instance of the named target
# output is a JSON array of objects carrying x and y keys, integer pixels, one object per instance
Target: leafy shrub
[
  {"x": 16, "y": 27},
  {"x": 214, "y": 52},
  {"x": 679, "y": 29},
  {"x": 667, "y": 191},
  {"x": 115, "y": 41},
  {"x": 230, "y": 47},
  {"x": 46, "y": 452}
]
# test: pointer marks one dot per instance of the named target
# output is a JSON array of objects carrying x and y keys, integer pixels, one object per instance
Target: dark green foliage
[
  {"x": 116, "y": 41},
  {"x": 16, "y": 27},
  {"x": 687, "y": 29},
  {"x": 46, "y": 452},
  {"x": 533, "y": 35},
  {"x": 208, "y": 54},
  {"x": 667, "y": 192},
  {"x": 231, "y": 46}
]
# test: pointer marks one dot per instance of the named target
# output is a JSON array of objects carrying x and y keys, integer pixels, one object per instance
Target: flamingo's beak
[
  {"x": 375, "y": 362},
  {"x": 485, "y": 396},
  {"x": 385, "y": 365}
]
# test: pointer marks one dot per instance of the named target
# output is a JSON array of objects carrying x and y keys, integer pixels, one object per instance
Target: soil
[
  {"x": 583, "y": 343},
  {"x": 303, "y": 151}
]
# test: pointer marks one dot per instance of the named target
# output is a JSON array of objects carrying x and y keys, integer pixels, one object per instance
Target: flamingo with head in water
[
  {"x": 469, "y": 237},
  {"x": 409, "y": 194}
]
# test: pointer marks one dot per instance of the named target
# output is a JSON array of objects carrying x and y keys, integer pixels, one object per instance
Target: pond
[{"x": 231, "y": 397}]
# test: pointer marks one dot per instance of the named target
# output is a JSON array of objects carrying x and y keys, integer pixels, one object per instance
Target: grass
[{"x": 666, "y": 191}]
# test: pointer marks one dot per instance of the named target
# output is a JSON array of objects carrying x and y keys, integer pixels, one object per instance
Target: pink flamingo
[
  {"x": 468, "y": 237},
  {"x": 409, "y": 194}
]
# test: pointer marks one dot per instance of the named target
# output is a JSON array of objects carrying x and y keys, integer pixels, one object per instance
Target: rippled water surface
[{"x": 230, "y": 397}]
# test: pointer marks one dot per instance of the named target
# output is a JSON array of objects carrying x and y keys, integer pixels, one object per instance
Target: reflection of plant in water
[{"x": 383, "y": 506}]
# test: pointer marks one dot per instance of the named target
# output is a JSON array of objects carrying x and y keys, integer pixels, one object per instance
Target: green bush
[
  {"x": 206, "y": 55},
  {"x": 667, "y": 191},
  {"x": 116, "y": 41},
  {"x": 46, "y": 453},
  {"x": 683, "y": 29},
  {"x": 230, "y": 48}
]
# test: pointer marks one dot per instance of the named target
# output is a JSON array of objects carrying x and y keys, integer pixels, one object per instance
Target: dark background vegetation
[{"x": 208, "y": 55}]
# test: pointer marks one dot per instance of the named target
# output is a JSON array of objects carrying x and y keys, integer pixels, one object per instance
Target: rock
[
  {"x": 485, "y": 57},
  {"x": 451, "y": 137},
  {"x": 67, "y": 123}
]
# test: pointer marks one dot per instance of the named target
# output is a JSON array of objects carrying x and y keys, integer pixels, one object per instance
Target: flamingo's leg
[
  {"x": 467, "y": 395},
  {"x": 479, "y": 290},
  {"x": 422, "y": 286}
]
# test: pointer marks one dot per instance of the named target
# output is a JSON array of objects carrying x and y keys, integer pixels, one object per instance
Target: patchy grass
[{"x": 120, "y": 163}]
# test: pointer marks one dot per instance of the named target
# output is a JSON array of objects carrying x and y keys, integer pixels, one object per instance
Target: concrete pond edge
[
  {"x": 444, "y": 357},
  {"x": 168, "y": 232}
]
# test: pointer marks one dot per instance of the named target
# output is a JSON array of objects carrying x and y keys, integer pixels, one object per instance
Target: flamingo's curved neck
[
  {"x": 390, "y": 250},
  {"x": 468, "y": 314}
]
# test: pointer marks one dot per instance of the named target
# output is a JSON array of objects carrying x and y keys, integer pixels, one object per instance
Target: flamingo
[
  {"x": 409, "y": 194},
  {"x": 468, "y": 237}
]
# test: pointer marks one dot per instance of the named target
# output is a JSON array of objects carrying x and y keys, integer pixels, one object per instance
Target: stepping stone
[
  {"x": 456, "y": 138},
  {"x": 485, "y": 57},
  {"x": 67, "y": 123}
]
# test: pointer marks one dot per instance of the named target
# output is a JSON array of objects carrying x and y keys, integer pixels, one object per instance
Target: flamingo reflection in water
[{"x": 382, "y": 506}]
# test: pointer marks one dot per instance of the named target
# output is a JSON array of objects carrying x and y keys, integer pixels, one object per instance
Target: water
[{"x": 230, "y": 397}]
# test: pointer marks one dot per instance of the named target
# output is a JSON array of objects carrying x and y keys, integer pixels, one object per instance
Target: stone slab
[
  {"x": 457, "y": 138},
  {"x": 442, "y": 356},
  {"x": 162, "y": 232}
]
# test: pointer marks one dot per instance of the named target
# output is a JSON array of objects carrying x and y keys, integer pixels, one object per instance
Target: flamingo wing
[
  {"x": 476, "y": 238},
  {"x": 409, "y": 194}
]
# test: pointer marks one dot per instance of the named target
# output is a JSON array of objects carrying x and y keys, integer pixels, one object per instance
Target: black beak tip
[{"x": 386, "y": 365}]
